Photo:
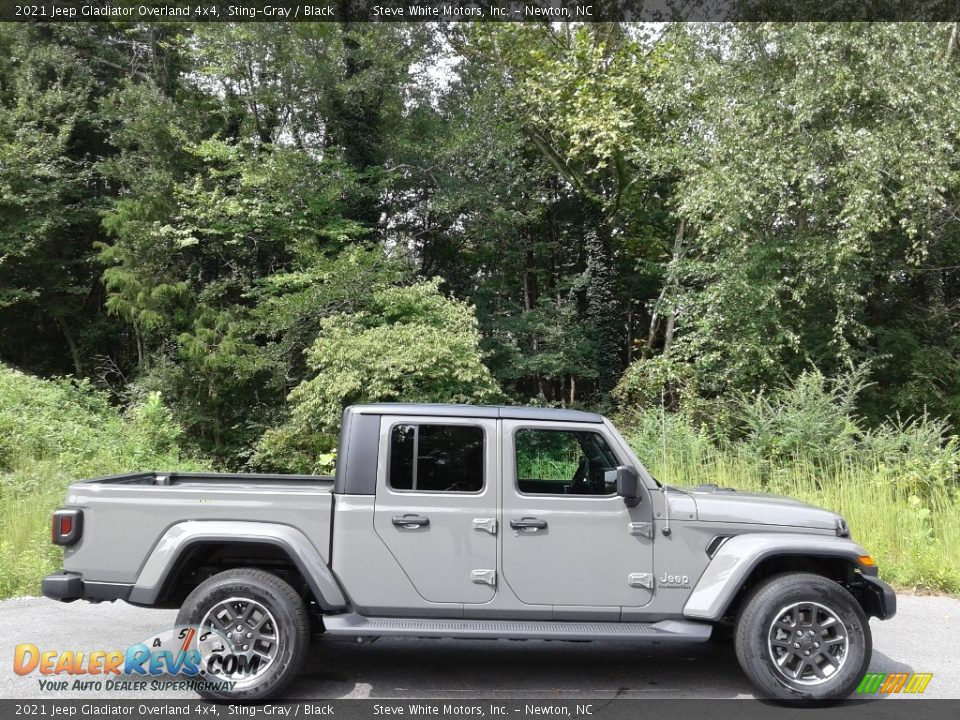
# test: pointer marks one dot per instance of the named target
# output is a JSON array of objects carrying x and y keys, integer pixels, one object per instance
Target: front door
[
  {"x": 436, "y": 505},
  {"x": 568, "y": 538}
]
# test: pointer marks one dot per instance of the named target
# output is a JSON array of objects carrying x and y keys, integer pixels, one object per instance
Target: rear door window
[{"x": 436, "y": 458}]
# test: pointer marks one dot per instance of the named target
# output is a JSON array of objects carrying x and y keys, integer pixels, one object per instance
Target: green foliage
[
  {"x": 897, "y": 485},
  {"x": 547, "y": 467},
  {"x": 74, "y": 426},
  {"x": 810, "y": 423},
  {"x": 533, "y": 205},
  {"x": 553, "y": 456},
  {"x": 412, "y": 344},
  {"x": 921, "y": 453},
  {"x": 53, "y": 432},
  {"x": 726, "y": 218},
  {"x": 816, "y": 166},
  {"x": 545, "y": 342},
  {"x": 814, "y": 420},
  {"x": 244, "y": 220},
  {"x": 290, "y": 306},
  {"x": 654, "y": 382},
  {"x": 748, "y": 200},
  {"x": 812, "y": 417},
  {"x": 50, "y": 195}
]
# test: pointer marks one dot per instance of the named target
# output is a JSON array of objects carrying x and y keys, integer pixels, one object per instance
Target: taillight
[{"x": 66, "y": 526}]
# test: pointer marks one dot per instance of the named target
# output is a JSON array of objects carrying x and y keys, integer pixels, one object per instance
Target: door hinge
[
  {"x": 484, "y": 577},
  {"x": 486, "y": 524},
  {"x": 644, "y": 529},
  {"x": 641, "y": 580}
]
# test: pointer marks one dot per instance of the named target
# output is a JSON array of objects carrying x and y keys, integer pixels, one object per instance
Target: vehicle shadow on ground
[
  {"x": 883, "y": 663},
  {"x": 398, "y": 668},
  {"x": 880, "y": 663}
]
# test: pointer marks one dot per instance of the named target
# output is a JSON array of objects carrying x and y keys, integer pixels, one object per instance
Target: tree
[
  {"x": 50, "y": 195},
  {"x": 412, "y": 344},
  {"x": 717, "y": 208},
  {"x": 818, "y": 181},
  {"x": 237, "y": 192},
  {"x": 542, "y": 182}
]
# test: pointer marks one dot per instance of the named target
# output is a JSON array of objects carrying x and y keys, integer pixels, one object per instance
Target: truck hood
[{"x": 716, "y": 504}]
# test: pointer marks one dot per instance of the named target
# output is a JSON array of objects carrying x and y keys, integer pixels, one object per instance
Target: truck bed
[{"x": 126, "y": 516}]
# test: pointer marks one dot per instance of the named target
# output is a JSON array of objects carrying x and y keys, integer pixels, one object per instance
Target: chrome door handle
[
  {"x": 410, "y": 521},
  {"x": 528, "y": 523}
]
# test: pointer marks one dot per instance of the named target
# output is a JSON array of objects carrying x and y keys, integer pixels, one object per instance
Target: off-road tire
[
  {"x": 762, "y": 625},
  {"x": 282, "y": 602}
]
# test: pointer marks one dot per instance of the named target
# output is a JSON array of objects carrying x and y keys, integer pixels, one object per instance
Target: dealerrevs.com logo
[{"x": 183, "y": 658}]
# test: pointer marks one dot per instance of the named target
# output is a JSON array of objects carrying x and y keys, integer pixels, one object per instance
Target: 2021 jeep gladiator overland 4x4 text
[{"x": 477, "y": 522}]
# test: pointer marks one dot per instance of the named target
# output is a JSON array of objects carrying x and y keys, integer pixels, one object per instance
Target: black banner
[
  {"x": 540, "y": 709},
  {"x": 476, "y": 10}
]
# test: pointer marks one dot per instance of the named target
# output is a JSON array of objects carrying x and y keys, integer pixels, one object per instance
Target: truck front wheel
[
  {"x": 252, "y": 633},
  {"x": 802, "y": 637}
]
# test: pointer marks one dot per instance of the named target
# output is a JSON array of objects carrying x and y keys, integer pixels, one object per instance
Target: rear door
[
  {"x": 568, "y": 539},
  {"x": 436, "y": 504}
]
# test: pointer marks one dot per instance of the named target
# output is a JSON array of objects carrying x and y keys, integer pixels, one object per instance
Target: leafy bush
[
  {"x": 412, "y": 345},
  {"x": 653, "y": 434},
  {"x": 918, "y": 453},
  {"x": 655, "y": 381},
  {"x": 812, "y": 417}
]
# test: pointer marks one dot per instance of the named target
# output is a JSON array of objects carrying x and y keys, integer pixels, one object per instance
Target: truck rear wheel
[
  {"x": 253, "y": 634},
  {"x": 802, "y": 637}
]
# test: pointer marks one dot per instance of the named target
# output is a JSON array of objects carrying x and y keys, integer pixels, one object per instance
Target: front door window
[{"x": 564, "y": 462}]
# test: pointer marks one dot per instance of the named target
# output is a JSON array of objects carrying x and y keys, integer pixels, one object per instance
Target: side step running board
[{"x": 352, "y": 625}]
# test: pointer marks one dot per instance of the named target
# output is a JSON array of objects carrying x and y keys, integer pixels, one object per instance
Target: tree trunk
[
  {"x": 603, "y": 316},
  {"x": 668, "y": 336},
  {"x": 74, "y": 352},
  {"x": 530, "y": 297},
  {"x": 952, "y": 44},
  {"x": 140, "y": 352},
  {"x": 667, "y": 282},
  {"x": 654, "y": 326}
]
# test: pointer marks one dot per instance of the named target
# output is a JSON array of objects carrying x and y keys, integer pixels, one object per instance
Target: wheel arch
[
  {"x": 188, "y": 547},
  {"x": 745, "y": 560}
]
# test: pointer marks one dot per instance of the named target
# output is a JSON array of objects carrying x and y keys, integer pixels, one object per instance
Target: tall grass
[
  {"x": 53, "y": 432},
  {"x": 898, "y": 485},
  {"x": 913, "y": 538}
]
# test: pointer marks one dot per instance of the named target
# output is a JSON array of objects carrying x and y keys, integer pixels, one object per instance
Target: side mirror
[{"x": 628, "y": 485}]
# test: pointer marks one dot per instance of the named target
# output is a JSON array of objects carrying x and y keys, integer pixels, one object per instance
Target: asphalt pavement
[{"x": 923, "y": 637}]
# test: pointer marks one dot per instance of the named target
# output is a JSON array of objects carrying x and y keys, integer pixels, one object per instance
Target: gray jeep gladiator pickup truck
[{"x": 476, "y": 522}]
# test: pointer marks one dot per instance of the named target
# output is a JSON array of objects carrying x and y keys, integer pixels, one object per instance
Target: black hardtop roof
[{"x": 477, "y": 411}]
